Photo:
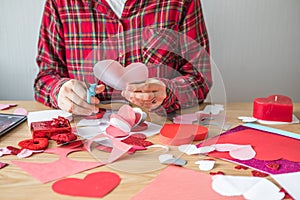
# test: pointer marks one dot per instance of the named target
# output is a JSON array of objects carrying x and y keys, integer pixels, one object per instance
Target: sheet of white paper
[
  {"x": 89, "y": 131},
  {"x": 47, "y": 115},
  {"x": 289, "y": 182},
  {"x": 90, "y": 122},
  {"x": 253, "y": 188}
]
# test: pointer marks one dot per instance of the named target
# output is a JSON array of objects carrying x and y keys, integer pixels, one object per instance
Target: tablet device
[{"x": 10, "y": 121}]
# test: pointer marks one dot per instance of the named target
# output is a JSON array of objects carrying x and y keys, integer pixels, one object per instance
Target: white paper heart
[
  {"x": 169, "y": 159},
  {"x": 191, "y": 149},
  {"x": 162, "y": 158},
  {"x": 254, "y": 188},
  {"x": 4, "y": 151},
  {"x": 27, "y": 152},
  {"x": 206, "y": 165},
  {"x": 116, "y": 76},
  {"x": 241, "y": 152}
]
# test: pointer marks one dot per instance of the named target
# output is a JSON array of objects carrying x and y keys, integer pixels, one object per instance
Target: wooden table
[{"x": 17, "y": 184}]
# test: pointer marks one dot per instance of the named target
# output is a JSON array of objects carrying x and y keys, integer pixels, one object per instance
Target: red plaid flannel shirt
[{"x": 75, "y": 34}]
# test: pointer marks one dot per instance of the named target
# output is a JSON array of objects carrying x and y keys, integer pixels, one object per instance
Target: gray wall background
[{"x": 254, "y": 44}]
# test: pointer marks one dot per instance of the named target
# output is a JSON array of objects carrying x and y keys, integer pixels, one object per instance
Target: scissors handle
[{"x": 90, "y": 92}]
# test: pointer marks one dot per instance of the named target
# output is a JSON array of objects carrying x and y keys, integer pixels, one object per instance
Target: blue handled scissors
[{"x": 90, "y": 91}]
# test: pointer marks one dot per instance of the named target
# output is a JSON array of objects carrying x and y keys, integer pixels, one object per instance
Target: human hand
[
  {"x": 149, "y": 95},
  {"x": 72, "y": 98}
]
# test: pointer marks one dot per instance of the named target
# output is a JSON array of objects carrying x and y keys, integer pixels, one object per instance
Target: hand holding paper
[
  {"x": 72, "y": 98},
  {"x": 149, "y": 95}
]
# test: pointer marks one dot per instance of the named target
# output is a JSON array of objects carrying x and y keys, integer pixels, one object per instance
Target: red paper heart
[
  {"x": 177, "y": 134},
  {"x": 273, "y": 108},
  {"x": 93, "y": 185}
]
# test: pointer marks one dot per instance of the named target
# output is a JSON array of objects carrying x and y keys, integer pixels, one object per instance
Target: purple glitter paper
[{"x": 285, "y": 166}]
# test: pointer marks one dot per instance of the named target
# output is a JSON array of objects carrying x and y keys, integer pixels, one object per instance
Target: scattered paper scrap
[
  {"x": 2, "y": 165},
  {"x": 206, "y": 165},
  {"x": 27, "y": 153},
  {"x": 21, "y": 111},
  {"x": 249, "y": 187},
  {"x": 168, "y": 159},
  {"x": 4, "y": 151},
  {"x": 6, "y": 106},
  {"x": 95, "y": 185}
]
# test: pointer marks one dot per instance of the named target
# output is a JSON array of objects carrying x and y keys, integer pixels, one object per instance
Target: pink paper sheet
[
  {"x": 180, "y": 183},
  {"x": 46, "y": 172},
  {"x": 64, "y": 166}
]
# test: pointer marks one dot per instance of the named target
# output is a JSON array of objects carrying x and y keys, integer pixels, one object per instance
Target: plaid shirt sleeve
[
  {"x": 193, "y": 86},
  {"x": 51, "y": 58}
]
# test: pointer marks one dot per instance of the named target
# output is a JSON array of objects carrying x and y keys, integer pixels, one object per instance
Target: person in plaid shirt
[{"x": 72, "y": 29}]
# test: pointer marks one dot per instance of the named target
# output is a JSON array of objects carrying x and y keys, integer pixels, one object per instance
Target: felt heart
[
  {"x": 273, "y": 108},
  {"x": 116, "y": 76},
  {"x": 94, "y": 185},
  {"x": 249, "y": 187}
]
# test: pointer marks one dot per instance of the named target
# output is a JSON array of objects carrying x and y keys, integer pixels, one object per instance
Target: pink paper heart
[
  {"x": 94, "y": 185},
  {"x": 116, "y": 76}
]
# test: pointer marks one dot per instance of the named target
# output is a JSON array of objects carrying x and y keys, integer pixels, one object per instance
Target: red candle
[{"x": 273, "y": 108}]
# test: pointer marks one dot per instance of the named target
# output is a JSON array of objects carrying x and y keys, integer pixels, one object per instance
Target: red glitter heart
[
  {"x": 258, "y": 173},
  {"x": 217, "y": 173},
  {"x": 273, "y": 166},
  {"x": 241, "y": 167},
  {"x": 137, "y": 139}
]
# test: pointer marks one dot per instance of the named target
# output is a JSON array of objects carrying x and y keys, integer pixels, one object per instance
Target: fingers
[
  {"x": 72, "y": 98},
  {"x": 148, "y": 95}
]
